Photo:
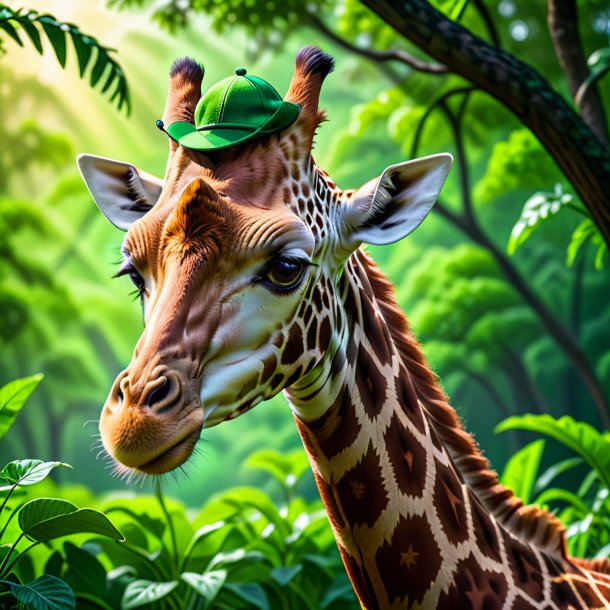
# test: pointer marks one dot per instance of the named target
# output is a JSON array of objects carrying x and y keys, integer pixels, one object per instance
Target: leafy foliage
[
  {"x": 585, "y": 232},
  {"x": 537, "y": 208},
  {"x": 585, "y": 510},
  {"x": 12, "y": 397},
  {"x": 103, "y": 69},
  {"x": 44, "y": 593},
  {"x": 240, "y": 552}
]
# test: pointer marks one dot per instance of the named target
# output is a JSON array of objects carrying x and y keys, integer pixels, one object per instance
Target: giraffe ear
[
  {"x": 390, "y": 207},
  {"x": 122, "y": 192}
]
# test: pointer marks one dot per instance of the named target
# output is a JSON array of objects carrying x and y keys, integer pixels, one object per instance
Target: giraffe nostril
[{"x": 160, "y": 393}]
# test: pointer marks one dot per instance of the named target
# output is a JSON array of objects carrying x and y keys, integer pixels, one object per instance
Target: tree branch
[
  {"x": 577, "y": 151},
  {"x": 563, "y": 25},
  {"x": 561, "y": 336},
  {"x": 390, "y": 55}
]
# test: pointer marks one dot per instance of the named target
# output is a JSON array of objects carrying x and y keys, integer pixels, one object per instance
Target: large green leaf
[
  {"x": 521, "y": 470},
  {"x": 28, "y": 472},
  {"x": 248, "y": 499},
  {"x": 286, "y": 469},
  {"x": 44, "y": 519},
  {"x": 252, "y": 593},
  {"x": 12, "y": 397},
  {"x": 580, "y": 437},
  {"x": 140, "y": 592},
  {"x": 285, "y": 574},
  {"x": 207, "y": 585},
  {"x": 235, "y": 557},
  {"x": 85, "y": 573},
  {"x": 44, "y": 593},
  {"x": 547, "y": 477},
  {"x": 340, "y": 588}
]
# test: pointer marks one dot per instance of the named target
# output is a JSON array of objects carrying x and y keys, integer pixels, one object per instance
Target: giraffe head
[{"x": 236, "y": 255}]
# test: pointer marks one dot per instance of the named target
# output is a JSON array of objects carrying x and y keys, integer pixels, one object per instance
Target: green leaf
[
  {"x": 32, "y": 32},
  {"x": 28, "y": 472},
  {"x": 207, "y": 585},
  {"x": 286, "y": 469},
  {"x": 583, "y": 232},
  {"x": 557, "y": 494},
  {"x": 44, "y": 593},
  {"x": 140, "y": 592},
  {"x": 245, "y": 498},
  {"x": 537, "y": 208},
  {"x": 521, "y": 470},
  {"x": 547, "y": 477},
  {"x": 580, "y": 437},
  {"x": 235, "y": 557},
  {"x": 56, "y": 35},
  {"x": 44, "y": 519},
  {"x": 85, "y": 574},
  {"x": 54, "y": 564},
  {"x": 285, "y": 574},
  {"x": 87, "y": 601},
  {"x": 341, "y": 588},
  {"x": 11, "y": 31},
  {"x": 12, "y": 397},
  {"x": 98, "y": 68},
  {"x": 251, "y": 593},
  {"x": 83, "y": 49}
]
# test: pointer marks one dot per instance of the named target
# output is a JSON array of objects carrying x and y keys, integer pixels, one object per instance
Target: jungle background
[{"x": 506, "y": 284}]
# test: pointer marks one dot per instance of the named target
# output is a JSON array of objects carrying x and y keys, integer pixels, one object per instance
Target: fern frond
[{"x": 104, "y": 67}]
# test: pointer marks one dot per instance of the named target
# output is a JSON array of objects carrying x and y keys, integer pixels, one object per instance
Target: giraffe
[{"x": 253, "y": 280}]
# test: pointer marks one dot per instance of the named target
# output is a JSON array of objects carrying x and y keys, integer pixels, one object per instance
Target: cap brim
[
  {"x": 215, "y": 139},
  {"x": 187, "y": 135}
]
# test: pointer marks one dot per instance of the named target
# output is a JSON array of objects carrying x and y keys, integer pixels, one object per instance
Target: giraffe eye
[
  {"x": 285, "y": 274},
  {"x": 134, "y": 276}
]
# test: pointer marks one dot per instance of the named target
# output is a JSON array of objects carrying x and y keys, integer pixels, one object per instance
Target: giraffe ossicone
[{"x": 249, "y": 264}]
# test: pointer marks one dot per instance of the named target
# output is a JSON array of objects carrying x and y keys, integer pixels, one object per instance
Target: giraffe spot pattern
[
  {"x": 325, "y": 334},
  {"x": 409, "y": 401},
  {"x": 407, "y": 457},
  {"x": 374, "y": 331},
  {"x": 294, "y": 346},
  {"x": 409, "y": 569},
  {"x": 339, "y": 427},
  {"x": 361, "y": 491},
  {"x": 269, "y": 367},
  {"x": 524, "y": 566},
  {"x": 485, "y": 533},
  {"x": 371, "y": 383},
  {"x": 449, "y": 503},
  {"x": 474, "y": 588}
]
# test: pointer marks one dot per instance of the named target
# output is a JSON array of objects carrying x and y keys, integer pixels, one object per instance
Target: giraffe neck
[{"x": 411, "y": 531}]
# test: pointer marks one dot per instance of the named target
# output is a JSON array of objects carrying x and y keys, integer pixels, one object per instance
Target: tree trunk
[
  {"x": 579, "y": 154},
  {"x": 563, "y": 25}
]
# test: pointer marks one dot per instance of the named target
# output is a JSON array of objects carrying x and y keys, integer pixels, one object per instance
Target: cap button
[{"x": 241, "y": 71}]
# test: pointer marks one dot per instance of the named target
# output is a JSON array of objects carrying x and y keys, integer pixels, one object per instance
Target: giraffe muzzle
[{"x": 151, "y": 423}]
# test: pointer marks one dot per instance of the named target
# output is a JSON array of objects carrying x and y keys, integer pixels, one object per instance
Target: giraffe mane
[
  {"x": 530, "y": 523},
  {"x": 600, "y": 564}
]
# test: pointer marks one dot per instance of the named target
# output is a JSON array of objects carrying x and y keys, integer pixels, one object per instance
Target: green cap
[{"x": 232, "y": 111}]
